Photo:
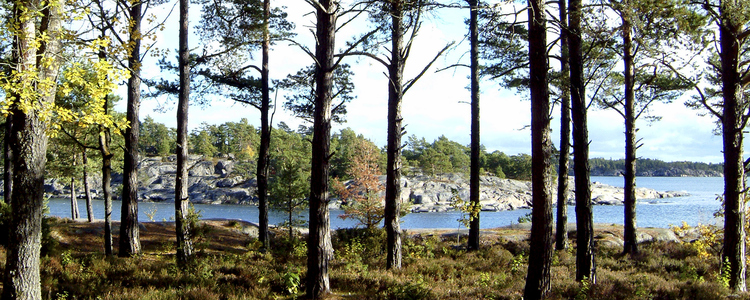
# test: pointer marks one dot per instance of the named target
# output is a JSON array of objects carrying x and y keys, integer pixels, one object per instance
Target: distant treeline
[
  {"x": 655, "y": 167},
  {"x": 240, "y": 139}
]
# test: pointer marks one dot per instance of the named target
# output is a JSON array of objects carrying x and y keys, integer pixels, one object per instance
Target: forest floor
[{"x": 230, "y": 265}]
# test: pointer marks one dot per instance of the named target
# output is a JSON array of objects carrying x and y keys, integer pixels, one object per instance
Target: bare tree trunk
[
  {"x": 8, "y": 160},
  {"x": 319, "y": 248},
  {"x": 475, "y": 142},
  {"x": 104, "y": 149},
  {"x": 130, "y": 243},
  {"x": 265, "y": 131},
  {"x": 732, "y": 125},
  {"x": 87, "y": 188},
  {"x": 22, "y": 278},
  {"x": 585, "y": 260},
  {"x": 540, "y": 256},
  {"x": 631, "y": 244},
  {"x": 104, "y": 140},
  {"x": 29, "y": 145},
  {"x": 561, "y": 232},
  {"x": 291, "y": 229},
  {"x": 393, "y": 164},
  {"x": 74, "y": 213},
  {"x": 182, "y": 199}
]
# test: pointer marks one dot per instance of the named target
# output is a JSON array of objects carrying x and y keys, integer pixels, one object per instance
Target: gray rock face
[
  {"x": 436, "y": 193},
  {"x": 215, "y": 183},
  {"x": 209, "y": 182},
  {"x": 223, "y": 168},
  {"x": 430, "y": 194},
  {"x": 201, "y": 168}
]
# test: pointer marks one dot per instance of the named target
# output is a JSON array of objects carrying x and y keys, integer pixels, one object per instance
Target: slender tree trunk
[
  {"x": 74, "y": 213},
  {"x": 475, "y": 143},
  {"x": 104, "y": 141},
  {"x": 265, "y": 131},
  {"x": 631, "y": 244},
  {"x": 8, "y": 160},
  {"x": 130, "y": 243},
  {"x": 104, "y": 149},
  {"x": 393, "y": 164},
  {"x": 29, "y": 145},
  {"x": 540, "y": 256},
  {"x": 182, "y": 199},
  {"x": 585, "y": 260},
  {"x": 291, "y": 229},
  {"x": 319, "y": 248},
  {"x": 561, "y": 233},
  {"x": 732, "y": 120},
  {"x": 87, "y": 188}
]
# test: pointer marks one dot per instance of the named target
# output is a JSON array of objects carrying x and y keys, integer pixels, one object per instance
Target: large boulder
[{"x": 223, "y": 168}]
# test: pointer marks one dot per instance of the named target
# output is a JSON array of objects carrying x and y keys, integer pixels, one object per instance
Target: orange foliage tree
[{"x": 362, "y": 198}]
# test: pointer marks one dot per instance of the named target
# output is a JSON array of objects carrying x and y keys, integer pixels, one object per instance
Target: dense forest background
[{"x": 239, "y": 141}]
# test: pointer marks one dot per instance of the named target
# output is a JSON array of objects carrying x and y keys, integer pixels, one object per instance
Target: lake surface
[{"x": 696, "y": 208}]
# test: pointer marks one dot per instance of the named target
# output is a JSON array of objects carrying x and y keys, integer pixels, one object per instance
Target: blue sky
[{"x": 436, "y": 105}]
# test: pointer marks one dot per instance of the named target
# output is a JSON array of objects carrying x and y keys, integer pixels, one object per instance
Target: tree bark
[
  {"x": 561, "y": 232},
  {"x": 319, "y": 248},
  {"x": 104, "y": 141},
  {"x": 631, "y": 244},
  {"x": 393, "y": 164},
  {"x": 74, "y": 213},
  {"x": 86, "y": 187},
  {"x": 475, "y": 142},
  {"x": 732, "y": 121},
  {"x": 585, "y": 260},
  {"x": 265, "y": 131},
  {"x": 7, "y": 160},
  {"x": 22, "y": 278},
  {"x": 104, "y": 149},
  {"x": 182, "y": 199},
  {"x": 29, "y": 145},
  {"x": 540, "y": 255},
  {"x": 130, "y": 243}
]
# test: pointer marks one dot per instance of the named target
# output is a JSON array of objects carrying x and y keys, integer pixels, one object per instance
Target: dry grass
[{"x": 229, "y": 265}]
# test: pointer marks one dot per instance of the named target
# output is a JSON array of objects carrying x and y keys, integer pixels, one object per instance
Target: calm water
[{"x": 698, "y": 207}]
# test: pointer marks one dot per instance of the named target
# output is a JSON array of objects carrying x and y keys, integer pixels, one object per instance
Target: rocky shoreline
[{"x": 213, "y": 182}]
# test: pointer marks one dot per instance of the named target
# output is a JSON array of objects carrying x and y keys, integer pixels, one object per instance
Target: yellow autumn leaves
[{"x": 84, "y": 76}]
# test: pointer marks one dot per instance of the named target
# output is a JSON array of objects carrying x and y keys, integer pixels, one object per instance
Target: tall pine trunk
[
  {"x": 585, "y": 260},
  {"x": 319, "y": 248},
  {"x": 265, "y": 131},
  {"x": 631, "y": 244},
  {"x": 182, "y": 200},
  {"x": 731, "y": 125},
  {"x": 393, "y": 164},
  {"x": 475, "y": 142},
  {"x": 28, "y": 141},
  {"x": 87, "y": 187},
  {"x": 130, "y": 243},
  {"x": 561, "y": 232},
  {"x": 540, "y": 256}
]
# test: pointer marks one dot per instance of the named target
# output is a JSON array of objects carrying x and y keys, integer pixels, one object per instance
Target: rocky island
[{"x": 214, "y": 182}]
